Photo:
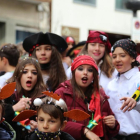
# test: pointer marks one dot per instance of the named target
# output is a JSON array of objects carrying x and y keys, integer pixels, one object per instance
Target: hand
[
  {"x": 109, "y": 121},
  {"x": 90, "y": 135},
  {"x": 22, "y": 104},
  {"x": 33, "y": 125},
  {"x": 128, "y": 104}
]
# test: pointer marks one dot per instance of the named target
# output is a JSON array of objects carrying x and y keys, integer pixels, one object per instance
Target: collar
[{"x": 129, "y": 73}]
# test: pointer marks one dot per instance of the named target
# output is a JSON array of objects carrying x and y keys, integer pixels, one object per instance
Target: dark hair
[
  {"x": 52, "y": 111},
  {"x": 54, "y": 108},
  {"x": 10, "y": 52},
  {"x": 107, "y": 66},
  {"x": 2, "y": 107},
  {"x": 56, "y": 71},
  {"x": 38, "y": 88},
  {"x": 92, "y": 88}
]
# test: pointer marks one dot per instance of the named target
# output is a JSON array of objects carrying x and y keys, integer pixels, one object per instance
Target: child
[
  {"x": 9, "y": 56},
  {"x": 83, "y": 92},
  {"x": 98, "y": 47},
  {"x": 50, "y": 121},
  {"x": 122, "y": 88},
  {"x": 46, "y": 48},
  {"x": 29, "y": 85}
]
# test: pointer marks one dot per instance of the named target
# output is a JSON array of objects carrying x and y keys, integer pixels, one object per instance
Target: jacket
[
  {"x": 7, "y": 132},
  {"x": 76, "y": 129}
]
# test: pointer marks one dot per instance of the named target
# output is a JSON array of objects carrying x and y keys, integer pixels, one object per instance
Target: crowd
[{"x": 67, "y": 91}]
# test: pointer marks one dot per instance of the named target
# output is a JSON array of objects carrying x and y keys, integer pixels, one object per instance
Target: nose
[
  {"x": 29, "y": 74},
  {"x": 97, "y": 46},
  {"x": 45, "y": 125},
  {"x": 42, "y": 51},
  {"x": 85, "y": 71},
  {"x": 117, "y": 58}
]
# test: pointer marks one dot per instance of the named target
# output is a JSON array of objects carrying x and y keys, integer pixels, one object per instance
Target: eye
[
  {"x": 34, "y": 72},
  {"x": 24, "y": 72},
  {"x": 48, "y": 48},
  {"x": 93, "y": 44},
  {"x": 52, "y": 121},
  {"x": 101, "y": 45},
  {"x": 113, "y": 57},
  {"x": 37, "y": 49},
  {"x": 41, "y": 120},
  {"x": 123, "y": 55},
  {"x": 80, "y": 68},
  {"x": 90, "y": 70}
]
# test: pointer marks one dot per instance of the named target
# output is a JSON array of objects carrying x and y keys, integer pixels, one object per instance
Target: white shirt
[
  {"x": 124, "y": 86},
  {"x": 4, "y": 78},
  {"x": 104, "y": 80}
]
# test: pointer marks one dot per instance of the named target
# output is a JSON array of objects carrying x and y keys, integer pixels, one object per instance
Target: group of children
[{"x": 91, "y": 73}]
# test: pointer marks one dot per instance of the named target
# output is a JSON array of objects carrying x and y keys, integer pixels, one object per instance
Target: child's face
[
  {"x": 96, "y": 50},
  {"x": 43, "y": 53},
  {"x": 29, "y": 77},
  {"x": 122, "y": 60},
  {"x": 46, "y": 123},
  {"x": 84, "y": 76}
]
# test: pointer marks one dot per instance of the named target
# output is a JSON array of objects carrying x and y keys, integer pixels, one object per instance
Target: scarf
[{"x": 94, "y": 106}]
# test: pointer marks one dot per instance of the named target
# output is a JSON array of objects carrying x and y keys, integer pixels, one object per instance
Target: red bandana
[
  {"x": 82, "y": 60},
  {"x": 94, "y": 37}
]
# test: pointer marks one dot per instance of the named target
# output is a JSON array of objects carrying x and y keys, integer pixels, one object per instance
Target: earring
[{"x": 92, "y": 81}]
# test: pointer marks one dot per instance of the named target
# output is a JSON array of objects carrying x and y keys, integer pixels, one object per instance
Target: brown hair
[
  {"x": 53, "y": 108},
  {"x": 10, "y": 52},
  {"x": 39, "y": 86},
  {"x": 107, "y": 66},
  {"x": 56, "y": 71}
]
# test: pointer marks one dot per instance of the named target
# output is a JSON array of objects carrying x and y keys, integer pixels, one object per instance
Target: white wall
[{"x": 101, "y": 17}]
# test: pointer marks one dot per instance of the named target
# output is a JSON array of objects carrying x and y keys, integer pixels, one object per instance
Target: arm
[{"x": 110, "y": 129}]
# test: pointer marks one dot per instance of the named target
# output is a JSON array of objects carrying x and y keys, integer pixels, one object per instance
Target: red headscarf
[
  {"x": 81, "y": 60},
  {"x": 94, "y": 104},
  {"x": 94, "y": 37}
]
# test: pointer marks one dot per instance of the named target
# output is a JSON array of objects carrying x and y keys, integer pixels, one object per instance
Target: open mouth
[
  {"x": 119, "y": 65},
  {"x": 84, "y": 79},
  {"x": 28, "y": 83}
]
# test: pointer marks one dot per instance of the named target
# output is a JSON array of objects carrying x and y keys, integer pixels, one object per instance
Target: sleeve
[
  {"x": 8, "y": 108},
  {"x": 76, "y": 130},
  {"x": 111, "y": 132}
]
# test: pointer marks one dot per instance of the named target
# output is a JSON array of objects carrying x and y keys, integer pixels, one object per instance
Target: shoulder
[{"x": 64, "y": 85}]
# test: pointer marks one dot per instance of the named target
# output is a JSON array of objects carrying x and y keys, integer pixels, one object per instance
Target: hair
[
  {"x": 10, "y": 52},
  {"x": 2, "y": 107},
  {"x": 92, "y": 88},
  {"x": 56, "y": 71},
  {"x": 107, "y": 66},
  {"x": 39, "y": 86},
  {"x": 54, "y": 109}
]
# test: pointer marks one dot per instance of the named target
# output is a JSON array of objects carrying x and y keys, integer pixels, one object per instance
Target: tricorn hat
[{"x": 31, "y": 42}]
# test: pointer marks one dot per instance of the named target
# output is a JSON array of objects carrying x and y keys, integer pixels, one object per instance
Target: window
[
  {"x": 89, "y": 2},
  {"x": 120, "y": 4},
  {"x": 23, "y": 32}
]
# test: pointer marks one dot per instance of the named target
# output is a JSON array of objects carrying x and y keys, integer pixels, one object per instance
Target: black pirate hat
[
  {"x": 31, "y": 42},
  {"x": 76, "y": 49}
]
